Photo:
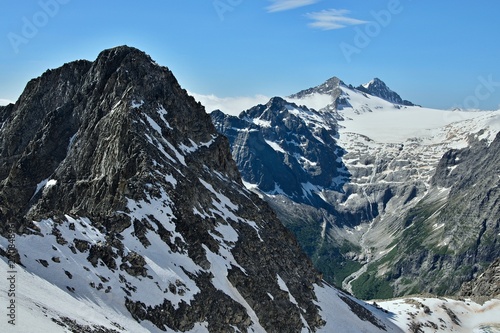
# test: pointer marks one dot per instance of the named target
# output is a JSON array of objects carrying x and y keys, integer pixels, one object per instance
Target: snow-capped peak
[{"x": 377, "y": 87}]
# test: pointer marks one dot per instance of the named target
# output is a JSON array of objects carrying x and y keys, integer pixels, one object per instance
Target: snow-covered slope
[
  {"x": 42, "y": 307},
  {"x": 427, "y": 315}
]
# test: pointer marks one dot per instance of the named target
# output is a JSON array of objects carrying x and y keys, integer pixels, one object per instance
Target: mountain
[
  {"x": 123, "y": 211},
  {"x": 402, "y": 219},
  {"x": 285, "y": 149}
]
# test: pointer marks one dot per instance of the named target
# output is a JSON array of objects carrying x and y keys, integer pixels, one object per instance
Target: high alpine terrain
[
  {"x": 122, "y": 211},
  {"x": 386, "y": 197}
]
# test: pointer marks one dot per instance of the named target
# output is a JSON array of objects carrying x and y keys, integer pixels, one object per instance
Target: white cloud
[
  {"x": 230, "y": 105},
  {"x": 330, "y": 19},
  {"x": 4, "y": 101},
  {"x": 281, "y": 5}
]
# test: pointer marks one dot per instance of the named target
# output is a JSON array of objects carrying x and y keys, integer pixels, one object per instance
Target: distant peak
[
  {"x": 115, "y": 56},
  {"x": 327, "y": 87},
  {"x": 121, "y": 50},
  {"x": 276, "y": 100},
  {"x": 333, "y": 81},
  {"x": 375, "y": 82},
  {"x": 377, "y": 87}
]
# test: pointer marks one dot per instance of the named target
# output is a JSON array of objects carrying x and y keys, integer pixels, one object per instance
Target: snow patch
[
  {"x": 195, "y": 146},
  {"x": 219, "y": 267},
  {"x": 154, "y": 124},
  {"x": 135, "y": 104},
  {"x": 50, "y": 183},
  {"x": 275, "y": 146},
  {"x": 261, "y": 123},
  {"x": 162, "y": 112}
]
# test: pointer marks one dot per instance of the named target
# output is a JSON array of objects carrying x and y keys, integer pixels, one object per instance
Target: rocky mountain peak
[
  {"x": 330, "y": 86},
  {"x": 377, "y": 87},
  {"x": 274, "y": 111},
  {"x": 280, "y": 146},
  {"x": 376, "y": 83},
  {"x": 92, "y": 106},
  {"x": 276, "y": 103}
]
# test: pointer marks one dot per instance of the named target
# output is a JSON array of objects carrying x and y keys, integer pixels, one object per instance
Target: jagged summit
[
  {"x": 377, "y": 87},
  {"x": 92, "y": 106},
  {"x": 328, "y": 87},
  {"x": 285, "y": 149}
]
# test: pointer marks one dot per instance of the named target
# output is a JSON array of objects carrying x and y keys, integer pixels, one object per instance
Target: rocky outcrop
[{"x": 486, "y": 285}]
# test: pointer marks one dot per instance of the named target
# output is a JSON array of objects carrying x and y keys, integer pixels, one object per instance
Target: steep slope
[
  {"x": 449, "y": 239},
  {"x": 359, "y": 234},
  {"x": 122, "y": 201}
]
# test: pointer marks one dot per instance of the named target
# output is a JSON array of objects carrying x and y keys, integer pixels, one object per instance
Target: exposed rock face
[
  {"x": 486, "y": 284},
  {"x": 456, "y": 236},
  {"x": 330, "y": 87},
  {"x": 123, "y": 193}
]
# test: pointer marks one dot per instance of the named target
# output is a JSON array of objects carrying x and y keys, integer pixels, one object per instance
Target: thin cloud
[
  {"x": 230, "y": 105},
  {"x": 282, "y": 5},
  {"x": 331, "y": 19},
  {"x": 4, "y": 101}
]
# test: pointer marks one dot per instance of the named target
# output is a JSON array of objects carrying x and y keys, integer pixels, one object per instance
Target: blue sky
[{"x": 435, "y": 53}]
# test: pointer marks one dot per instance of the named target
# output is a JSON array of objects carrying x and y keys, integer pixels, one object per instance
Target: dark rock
[{"x": 378, "y": 88}]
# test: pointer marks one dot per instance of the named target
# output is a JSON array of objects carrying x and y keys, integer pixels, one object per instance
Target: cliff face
[
  {"x": 455, "y": 233},
  {"x": 123, "y": 193},
  {"x": 486, "y": 285}
]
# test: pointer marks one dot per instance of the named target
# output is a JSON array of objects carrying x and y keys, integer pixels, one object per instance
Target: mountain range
[
  {"x": 386, "y": 197},
  {"x": 123, "y": 210}
]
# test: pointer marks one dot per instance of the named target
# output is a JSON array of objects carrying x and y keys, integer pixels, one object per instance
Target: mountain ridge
[{"x": 334, "y": 87}]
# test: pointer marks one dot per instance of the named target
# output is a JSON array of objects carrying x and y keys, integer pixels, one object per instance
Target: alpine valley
[{"x": 122, "y": 208}]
